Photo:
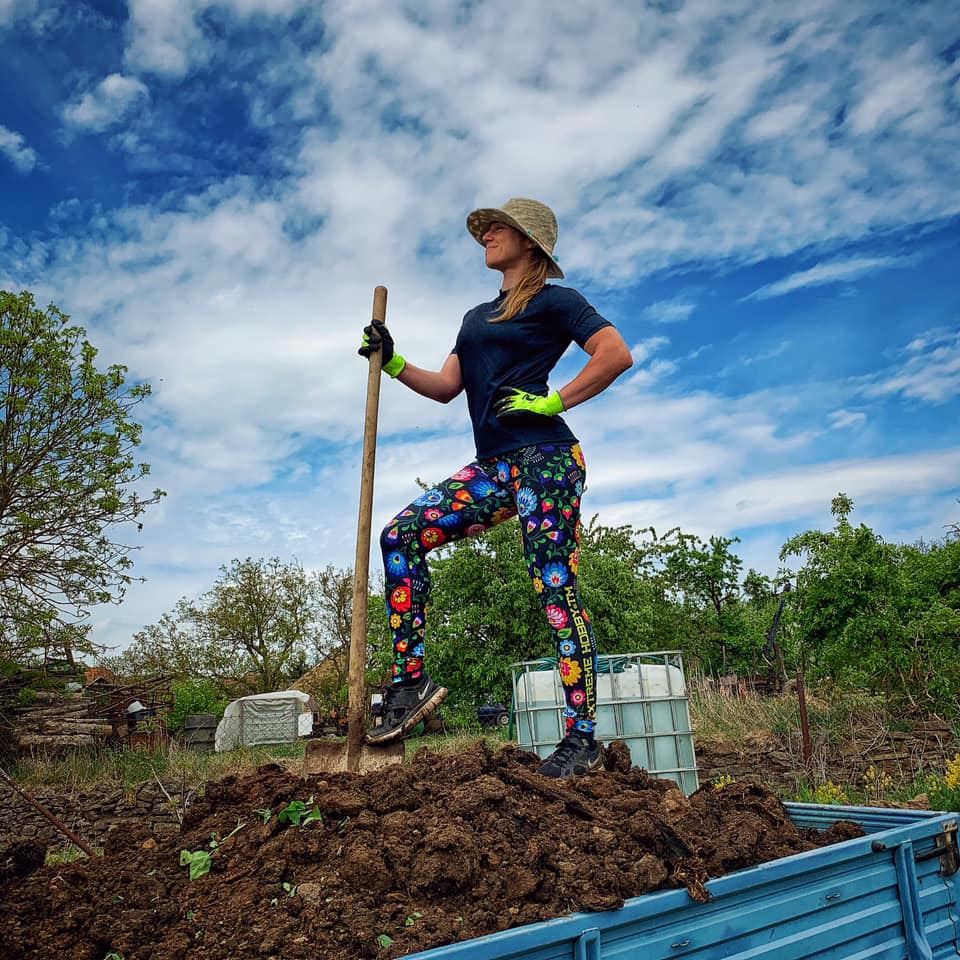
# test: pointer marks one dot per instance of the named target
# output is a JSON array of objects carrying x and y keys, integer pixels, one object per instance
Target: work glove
[
  {"x": 376, "y": 336},
  {"x": 517, "y": 403}
]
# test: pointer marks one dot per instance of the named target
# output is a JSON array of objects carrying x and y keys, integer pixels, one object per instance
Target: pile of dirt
[{"x": 438, "y": 850}]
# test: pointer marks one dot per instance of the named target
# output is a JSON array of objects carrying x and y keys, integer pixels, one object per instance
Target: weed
[
  {"x": 264, "y": 813},
  {"x": 67, "y": 853},
  {"x": 951, "y": 776},
  {"x": 943, "y": 791},
  {"x": 722, "y": 781},
  {"x": 199, "y": 861},
  {"x": 384, "y": 941},
  {"x": 412, "y": 919},
  {"x": 877, "y": 783},
  {"x": 830, "y": 793},
  {"x": 298, "y": 814}
]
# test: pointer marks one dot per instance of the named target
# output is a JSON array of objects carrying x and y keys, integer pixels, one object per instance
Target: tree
[
  {"x": 704, "y": 576},
  {"x": 264, "y": 611},
  {"x": 67, "y": 477},
  {"x": 173, "y": 647},
  {"x": 881, "y": 615}
]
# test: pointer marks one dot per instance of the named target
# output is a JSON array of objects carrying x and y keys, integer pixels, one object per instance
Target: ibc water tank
[{"x": 641, "y": 700}]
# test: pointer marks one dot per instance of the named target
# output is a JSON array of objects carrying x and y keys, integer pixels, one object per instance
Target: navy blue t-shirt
[{"x": 520, "y": 353}]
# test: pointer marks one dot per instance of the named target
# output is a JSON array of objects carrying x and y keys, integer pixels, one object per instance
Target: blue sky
[{"x": 765, "y": 198}]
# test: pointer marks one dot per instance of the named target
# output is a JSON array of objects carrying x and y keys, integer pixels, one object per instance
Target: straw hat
[{"x": 534, "y": 219}]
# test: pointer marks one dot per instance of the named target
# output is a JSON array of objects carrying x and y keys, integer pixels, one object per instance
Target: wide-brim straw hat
[{"x": 532, "y": 218}]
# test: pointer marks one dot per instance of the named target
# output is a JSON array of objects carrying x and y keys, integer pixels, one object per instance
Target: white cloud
[
  {"x": 839, "y": 419},
  {"x": 166, "y": 36},
  {"x": 641, "y": 351},
  {"x": 15, "y": 149},
  {"x": 823, "y": 273},
  {"x": 771, "y": 353},
  {"x": 107, "y": 103},
  {"x": 795, "y": 494},
  {"x": 669, "y": 311},
  {"x": 930, "y": 371},
  {"x": 906, "y": 87},
  {"x": 777, "y": 122}
]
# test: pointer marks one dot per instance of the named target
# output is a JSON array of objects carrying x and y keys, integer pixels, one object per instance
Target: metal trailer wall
[{"x": 891, "y": 895}]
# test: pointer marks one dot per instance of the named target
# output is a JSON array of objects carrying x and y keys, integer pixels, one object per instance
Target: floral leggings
[{"x": 542, "y": 485}]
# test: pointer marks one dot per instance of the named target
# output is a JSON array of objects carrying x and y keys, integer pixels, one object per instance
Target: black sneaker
[
  {"x": 404, "y": 707},
  {"x": 573, "y": 756}
]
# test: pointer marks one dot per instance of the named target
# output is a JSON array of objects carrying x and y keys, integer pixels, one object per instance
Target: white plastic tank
[{"x": 641, "y": 700}]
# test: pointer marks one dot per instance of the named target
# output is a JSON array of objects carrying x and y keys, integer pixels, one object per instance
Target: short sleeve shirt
[{"x": 520, "y": 352}]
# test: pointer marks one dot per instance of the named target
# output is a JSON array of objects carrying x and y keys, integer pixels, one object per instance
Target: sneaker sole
[{"x": 425, "y": 710}]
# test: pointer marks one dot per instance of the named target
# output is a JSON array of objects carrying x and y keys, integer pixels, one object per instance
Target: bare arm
[
  {"x": 609, "y": 357},
  {"x": 442, "y": 385}
]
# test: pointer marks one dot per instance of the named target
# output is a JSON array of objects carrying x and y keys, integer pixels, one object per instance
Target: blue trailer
[{"x": 890, "y": 895}]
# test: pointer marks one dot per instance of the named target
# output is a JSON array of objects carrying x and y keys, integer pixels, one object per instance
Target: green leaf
[
  {"x": 293, "y": 813},
  {"x": 198, "y": 861},
  {"x": 384, "y": 941}
]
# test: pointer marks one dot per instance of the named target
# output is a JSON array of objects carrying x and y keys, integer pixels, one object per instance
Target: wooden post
[
  {"x": 804, "y": 720},
  {"x": 356, "y": 712}
]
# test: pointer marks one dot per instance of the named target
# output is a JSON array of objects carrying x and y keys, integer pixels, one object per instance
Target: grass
[
  {"x": 67, "y": 853},
  {"x": 125, "y": 769},
  {"x": 834, "y": 718},
  {"x": 85, "y": 770},
  {"x": 729, "y": 720},
  {"x": 456, "y": 741},
  {"x": 837, "y": 718}
]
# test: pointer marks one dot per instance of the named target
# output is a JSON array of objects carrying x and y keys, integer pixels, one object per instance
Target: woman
[{"x": 528, "y": 464}]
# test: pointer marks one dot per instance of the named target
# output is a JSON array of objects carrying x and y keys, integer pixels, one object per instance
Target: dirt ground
[{"x": 438, "y": 850}]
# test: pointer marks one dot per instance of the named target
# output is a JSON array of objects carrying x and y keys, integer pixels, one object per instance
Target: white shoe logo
[{"x": 422, "y": 693}]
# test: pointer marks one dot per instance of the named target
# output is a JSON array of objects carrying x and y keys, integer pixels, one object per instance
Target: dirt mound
[{"x": 410, "y": 857}]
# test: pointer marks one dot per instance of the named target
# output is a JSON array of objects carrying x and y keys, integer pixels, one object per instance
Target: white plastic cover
[{"x": 277, "y": 717}]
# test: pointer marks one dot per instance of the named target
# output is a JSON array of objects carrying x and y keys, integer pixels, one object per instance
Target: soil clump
[{"x": 438, "y": 850}]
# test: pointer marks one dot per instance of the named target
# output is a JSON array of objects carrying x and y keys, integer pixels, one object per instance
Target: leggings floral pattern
[{"x": 542, "y": 485}]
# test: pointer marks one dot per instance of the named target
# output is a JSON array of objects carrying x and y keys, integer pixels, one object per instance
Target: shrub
[{"x": 194, "y": 696}]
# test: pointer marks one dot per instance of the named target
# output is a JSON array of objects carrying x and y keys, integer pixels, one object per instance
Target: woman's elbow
[
  {"x": 450, "y": 394},
  {"x": 624, "y": 360}
]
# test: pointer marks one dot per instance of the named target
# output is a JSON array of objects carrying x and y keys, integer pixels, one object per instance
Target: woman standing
[{"x": 528, "y": 464}]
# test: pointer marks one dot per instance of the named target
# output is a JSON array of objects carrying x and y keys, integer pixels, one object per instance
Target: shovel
[{"x": 352, "y": 755}]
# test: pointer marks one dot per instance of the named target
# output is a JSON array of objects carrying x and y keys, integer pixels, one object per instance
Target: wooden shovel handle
[{"x": 361, "y": 567}]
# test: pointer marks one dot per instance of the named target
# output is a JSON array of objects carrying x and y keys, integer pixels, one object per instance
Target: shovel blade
[{"x": 330, "y": 756}]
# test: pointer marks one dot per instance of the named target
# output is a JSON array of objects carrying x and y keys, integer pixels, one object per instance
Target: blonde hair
[{"x": 531, "y": 283}]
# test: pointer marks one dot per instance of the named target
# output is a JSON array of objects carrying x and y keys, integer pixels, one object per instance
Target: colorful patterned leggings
[{"x": 542, "y": 485}]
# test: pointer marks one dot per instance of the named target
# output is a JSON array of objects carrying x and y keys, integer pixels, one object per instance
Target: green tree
[
  {"x": 877, "y": 614},
  {"x": 623, "y": 588},
  {"x": 703, "y": 576},
  {"x": 68, "y": 477},
  {"x": 264, "y": 611}
]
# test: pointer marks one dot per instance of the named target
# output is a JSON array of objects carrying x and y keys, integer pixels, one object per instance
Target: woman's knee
[{"x": 389, "y": 538}]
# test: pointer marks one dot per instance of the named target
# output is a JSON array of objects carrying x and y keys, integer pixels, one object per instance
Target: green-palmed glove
[
  {"x": 516, "y": 403},
  {"x": 376, "y": 336}
]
